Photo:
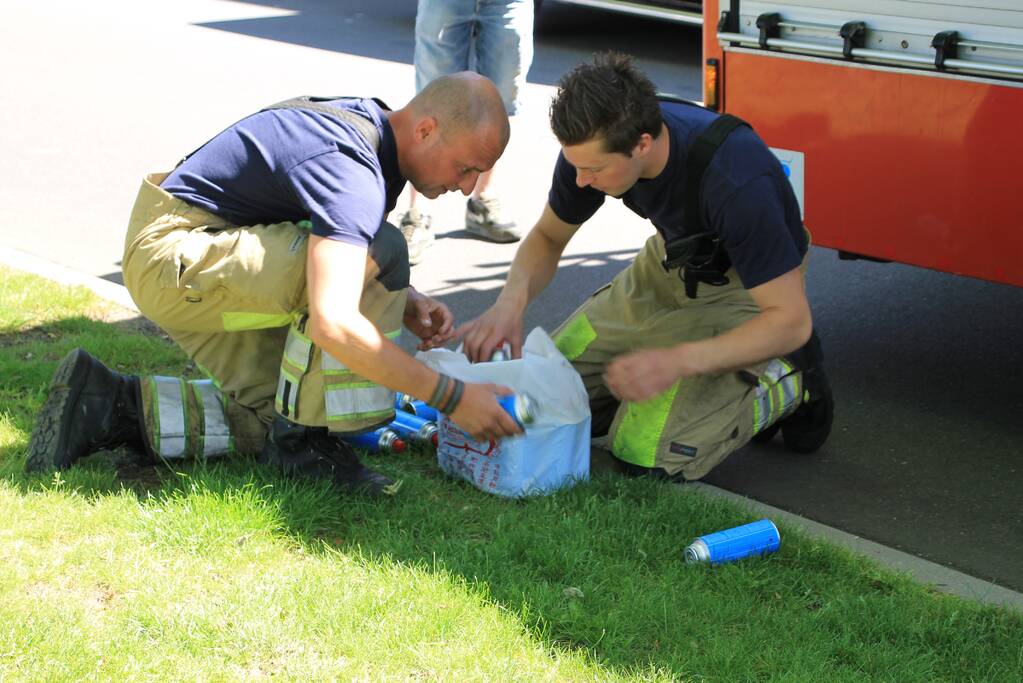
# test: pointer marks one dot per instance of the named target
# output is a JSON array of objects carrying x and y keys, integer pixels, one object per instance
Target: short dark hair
[{"x": 608, "y": 99}]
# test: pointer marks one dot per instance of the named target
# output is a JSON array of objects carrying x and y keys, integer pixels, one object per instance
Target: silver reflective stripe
[
  {"x": 349, "y": 402},
  {"x": 216, "y": 438},
  {"x": 775, "y": 370},
  {"x": 777, "y": 394},
  {"x": 171, "y": 406},
  {"x": 332, "y": 366},
  {"x": 297, "y": 349}
]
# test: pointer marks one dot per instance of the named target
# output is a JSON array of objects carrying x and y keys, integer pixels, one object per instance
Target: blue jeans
[{"x": 498, "y": 33}]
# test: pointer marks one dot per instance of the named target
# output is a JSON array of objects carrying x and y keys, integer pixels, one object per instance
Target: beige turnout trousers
[
  {"x": 696, "y": 423},
  {"x": 234, "y": 298}
]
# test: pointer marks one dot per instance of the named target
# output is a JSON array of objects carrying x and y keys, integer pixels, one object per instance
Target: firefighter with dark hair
[
  {"x": 705, "y": 341},
  {"x": 265, "y": 254}
]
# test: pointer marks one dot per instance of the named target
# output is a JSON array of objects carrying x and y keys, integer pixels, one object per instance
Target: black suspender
[{"x": 699, "y": 253}]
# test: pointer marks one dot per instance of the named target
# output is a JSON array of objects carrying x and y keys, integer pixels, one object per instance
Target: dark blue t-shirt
[
  {"x": 745, "y": 198},
  {"x": 296, "y": 164}
]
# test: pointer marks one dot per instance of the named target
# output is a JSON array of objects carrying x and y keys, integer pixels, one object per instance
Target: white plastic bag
[{"x": 554, "y": 451}]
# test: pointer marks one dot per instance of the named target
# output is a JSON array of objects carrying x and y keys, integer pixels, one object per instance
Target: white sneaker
[
  {"x": 483, "y": 218},
  {"x": 415, "y": 227}
]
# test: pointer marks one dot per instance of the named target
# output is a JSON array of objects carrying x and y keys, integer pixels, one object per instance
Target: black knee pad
[{"x": 390, "y": 252}]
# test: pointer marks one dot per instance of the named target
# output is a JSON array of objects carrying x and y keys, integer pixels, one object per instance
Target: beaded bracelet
[{"x": 439, "y": 390}]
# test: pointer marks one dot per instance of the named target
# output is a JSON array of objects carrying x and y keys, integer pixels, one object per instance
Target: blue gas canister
[
  {"x": 522, "y": 407},
  {"x": 414, "y": 427},
  {"x": 756, "y": 538},
  {"x": 416, "y": 407},
  {"x": 383, "y": 440}
]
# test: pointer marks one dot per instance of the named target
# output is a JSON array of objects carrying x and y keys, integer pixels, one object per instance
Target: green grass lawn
[{"x": 226, "y": 572}]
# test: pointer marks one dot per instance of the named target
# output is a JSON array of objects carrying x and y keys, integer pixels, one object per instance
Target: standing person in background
[{"x": 449, "y": 35}]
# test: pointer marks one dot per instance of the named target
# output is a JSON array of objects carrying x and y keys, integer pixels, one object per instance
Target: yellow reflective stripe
[
  {"x": 575, "y": 337},
  {"x": 791, "y": 388},
  {"x": 777, "y": 400},
  {"x": 641, "y": 427},
  {"x": 758, "y": 419},
  {"x": 209, "y": 375},
  {"x": 238, "y": 322}
]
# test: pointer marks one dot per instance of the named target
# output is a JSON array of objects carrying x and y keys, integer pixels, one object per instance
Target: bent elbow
[
  {"x": 801, "y": 331},
  {"x": 324, "y": 334}
]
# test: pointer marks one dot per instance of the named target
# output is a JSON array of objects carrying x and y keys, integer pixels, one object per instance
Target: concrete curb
[
  {"x": 22, "y": 260},
  {"x": 939, "y": 577}
]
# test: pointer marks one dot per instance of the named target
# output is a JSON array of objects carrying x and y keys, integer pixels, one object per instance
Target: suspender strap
[
  {"x": 366, "y": 128},
  {"x": 699, "y": 157},
  {"x": 700, "y": 253}
]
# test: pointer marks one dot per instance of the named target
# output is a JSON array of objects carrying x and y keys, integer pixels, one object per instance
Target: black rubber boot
[
  {"x": 89, "y": 408},
  {"x": 300, "y": 451},
  {"x": 809, "y": 425}
]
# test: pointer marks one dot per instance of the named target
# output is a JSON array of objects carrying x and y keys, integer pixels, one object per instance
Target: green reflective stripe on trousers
[
  {"x": 575, "y": 337},
  {"x": 156, "y": 416},
  {"x": 238, "y": 322},
  {"x": 215, "y": 434},
  {"x": 209, "y": 375},
  {"x": 641, "y": 427},
  {"x": 170, "y": 409}
]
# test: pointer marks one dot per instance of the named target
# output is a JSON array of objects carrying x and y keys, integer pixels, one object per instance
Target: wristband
[
  {"x": 456, "y": 398},
  {"x": 439, "y": 390}
]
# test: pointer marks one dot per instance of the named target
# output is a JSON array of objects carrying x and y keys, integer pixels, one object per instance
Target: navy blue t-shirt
[
  {"x": 745, "y": 198},
  {"x": 296, "y": 164}
]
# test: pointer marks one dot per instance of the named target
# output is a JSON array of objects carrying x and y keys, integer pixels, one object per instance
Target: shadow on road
[{"x": 386, "y": 30}]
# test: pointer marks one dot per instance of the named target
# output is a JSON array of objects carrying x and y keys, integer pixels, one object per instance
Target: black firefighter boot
[
  {"x": 89, "y": 408},
  {"x": 313, "y": 452},
  {"x": 808, "y": 427}
]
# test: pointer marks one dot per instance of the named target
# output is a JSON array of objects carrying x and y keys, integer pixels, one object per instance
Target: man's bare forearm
[{"x": 359, "y": 345}]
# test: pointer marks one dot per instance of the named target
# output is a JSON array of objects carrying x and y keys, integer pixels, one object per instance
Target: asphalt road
[{"x": 925, "y": 455}]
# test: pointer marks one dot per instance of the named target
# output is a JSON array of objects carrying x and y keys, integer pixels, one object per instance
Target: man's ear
[
  {"x": 643, "y": 147},
  {"x": 424, "y": 128}
]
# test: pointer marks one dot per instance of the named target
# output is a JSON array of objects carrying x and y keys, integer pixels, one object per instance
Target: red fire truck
[{"x": 900, "y": 123}]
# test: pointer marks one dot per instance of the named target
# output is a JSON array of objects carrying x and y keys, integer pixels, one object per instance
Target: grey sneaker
[
  {"x": 483, "y": 218},
  {"x": 415, "y": 226}
]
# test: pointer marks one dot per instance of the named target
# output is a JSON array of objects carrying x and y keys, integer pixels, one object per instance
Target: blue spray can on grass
[{"x": 756, "y": 538}]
